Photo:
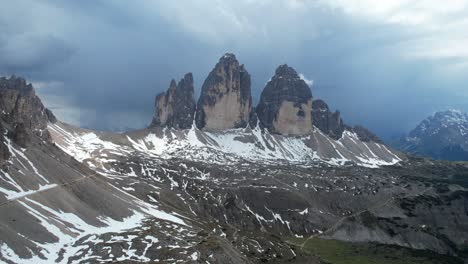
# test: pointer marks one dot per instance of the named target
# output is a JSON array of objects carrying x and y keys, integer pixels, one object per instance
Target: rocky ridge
[
  {"x": 22, "y": 114},
  {"x": 443, "y": 135},
  {"x": 328, "y": 122},
  {"x": 20, "y": 104},
  {"x": 241, "y": 196},
  {"x": 285, "y": 107}
]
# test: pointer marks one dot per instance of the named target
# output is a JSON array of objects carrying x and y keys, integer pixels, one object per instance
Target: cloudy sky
[{"x": 99, "y": 64}]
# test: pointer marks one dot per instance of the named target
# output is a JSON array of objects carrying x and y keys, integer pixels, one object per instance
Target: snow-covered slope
[
  {"x": 443, "y": 135},
  {"x": 161, "y": 195},
  {"x": 52, "y": 208},
  {"x": 231, "y": 146}
]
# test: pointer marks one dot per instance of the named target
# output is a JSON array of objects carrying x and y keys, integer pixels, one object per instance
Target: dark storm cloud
[
  {"x": 100, "y": 63},
  {"x": 30, "y": 52}
]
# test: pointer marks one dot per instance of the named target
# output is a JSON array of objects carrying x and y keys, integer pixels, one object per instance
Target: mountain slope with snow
[
  {"x": 227, "y": 147},
  {"x": 240, "y": 195},
  {"x": 443, "y": 135}
]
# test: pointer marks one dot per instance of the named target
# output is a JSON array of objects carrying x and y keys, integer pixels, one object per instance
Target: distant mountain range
[{"x": 443, "y": 135}]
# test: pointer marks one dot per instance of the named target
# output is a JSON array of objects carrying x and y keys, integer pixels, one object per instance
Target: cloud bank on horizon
[{"x": 99, "y": 64}]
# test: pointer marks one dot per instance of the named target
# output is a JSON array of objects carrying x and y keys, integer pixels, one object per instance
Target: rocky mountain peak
[
  {"x": 16, "y": 84},
  {"x": 176, "y": 107},
  {"x": 444, "y": 135},
  {"x": 186, "y": 83},
  {"x": 20, "y": 104},
  {"x": 22, "y": 114},
  {"x": 173, "y": 85},
  {"x": 286, "y": 103},
  {"x": 320, "y": 105},
  {"x": 229, "y": 57},
  {"x": 328, "y": 122},
  {"x": 225, "y": 101},
  {"x": 445, "y": 120},
  {"x": 285, "y": 71}
]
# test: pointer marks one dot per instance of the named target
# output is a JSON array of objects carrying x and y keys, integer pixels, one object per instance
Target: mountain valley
[{"x": 220, "y": 180}]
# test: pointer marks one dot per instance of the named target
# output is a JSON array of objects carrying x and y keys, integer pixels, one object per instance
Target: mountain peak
[
  {"x": 175, "y": 107},
  {"x": 20, "y": 104},
  {"x": 16, "y": 83},
  {"x": 286, "y": 71},
  {"x": 439, "y": 135},
  {"x": 228, "y": 56},
  {"x": 451, "y": 116},
  {"x": 173, "y": 85},
  {"x": 286, "y": 103},
  {"x": 328, "y": 122},
  {"x": 225, "y": 101}
]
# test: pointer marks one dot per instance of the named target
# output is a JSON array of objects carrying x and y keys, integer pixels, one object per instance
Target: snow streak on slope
[
  {"x": 69, "y": 228},
  {"x": 228, "y": 147},
  {"x": 49, "y": 205}
]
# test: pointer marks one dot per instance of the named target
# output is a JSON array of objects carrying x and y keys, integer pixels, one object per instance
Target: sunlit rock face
[
  {"x": 286, "y": 104},
  {"x": 225, "y": 101},
  {"x": 175, "y": 107}
]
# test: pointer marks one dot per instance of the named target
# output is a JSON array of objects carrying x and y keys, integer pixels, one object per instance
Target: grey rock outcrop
[
  {"x": 22, "y": 115},
  {"x": 365, "y": 134},
  {"x": 328, "y": 122},
  {"x": 176, "y": 107},
  {"x": 4, "y": 151},
  {"x": 286, "y": 103},
  {"x": 21, "y": 135},
  {"x": 20, "y": 104},
  {"x": 225, "y": 101}
]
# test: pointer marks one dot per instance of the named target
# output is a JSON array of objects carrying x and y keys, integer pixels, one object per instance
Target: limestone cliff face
[
  {"x": 225, "y": 101},
  {"x": 328, "y": 122},
  {"x": 286, "y": 103},
  {"x": 176, "y": 107}
]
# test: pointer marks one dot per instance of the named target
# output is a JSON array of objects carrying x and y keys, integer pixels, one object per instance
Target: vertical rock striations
[
  {"x": 328, "y": 122},
  {"x": 176, "y": 107},
  {"x": 225, "y": 101},
  {"x": 286, "y": 103}
]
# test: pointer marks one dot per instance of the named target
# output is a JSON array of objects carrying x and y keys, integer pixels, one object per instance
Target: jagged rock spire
[
  {"x": 225, "y": 101},
  {"x": 328, "y": 122},
  {"x": 176, "y": 107}
]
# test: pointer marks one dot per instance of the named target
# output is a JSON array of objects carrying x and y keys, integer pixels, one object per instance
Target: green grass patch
[{"x": 339, "y": 252}]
